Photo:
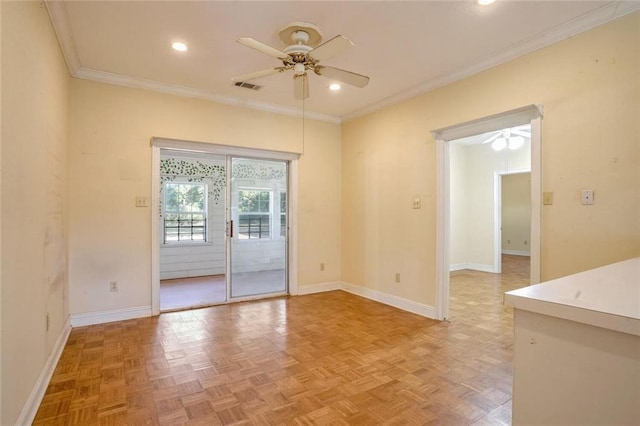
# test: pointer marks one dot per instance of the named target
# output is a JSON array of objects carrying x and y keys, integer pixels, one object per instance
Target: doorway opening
[
  {"x": 223, "y": 223},
  {"x": 472, "y": 159}
]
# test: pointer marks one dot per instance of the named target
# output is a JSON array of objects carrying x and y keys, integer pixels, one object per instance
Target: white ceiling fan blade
[
  {"x": 257, "y": 74},
  {"x": 343, "y": 76},
  {"x": 300, "y": 86},
  {"x": 494, "y": 137},
  {"x": 331, "y": 48},
  {"x": 520, "y": 133},
  {"x": 522, "y": 127},
  {"x": 261, "y": 47}
]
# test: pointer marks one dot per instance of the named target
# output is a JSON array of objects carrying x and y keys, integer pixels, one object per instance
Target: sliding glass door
[{"x": 257, "y": 227}]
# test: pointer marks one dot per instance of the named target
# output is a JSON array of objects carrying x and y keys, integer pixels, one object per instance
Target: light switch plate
[
  {"x": 142, "y": 202},
  {"x": 417, "y": 202}
]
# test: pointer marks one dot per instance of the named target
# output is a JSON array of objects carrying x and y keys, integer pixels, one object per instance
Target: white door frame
[
  {"x": 497, "y": 214},
  {"x": 530, "y": 114},
  {"x": 175, "y": 144}
]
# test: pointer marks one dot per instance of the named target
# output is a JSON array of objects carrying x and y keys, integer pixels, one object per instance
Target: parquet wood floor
[{"x": 324, "y": 359}]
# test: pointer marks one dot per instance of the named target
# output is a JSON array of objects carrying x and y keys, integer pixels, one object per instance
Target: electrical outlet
[
  {"x": 547, "y": 198},
  {"x": 322, "y": 266},
  {"x": 397, "y": 277},
  {"x": 113, "y": 286}
]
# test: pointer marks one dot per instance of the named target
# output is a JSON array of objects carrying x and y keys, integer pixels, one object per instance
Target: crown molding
[
  {"x": 58, "y": 15},
  {"x": 171, "y": 89},
  {"x": 600, "y": 16}
]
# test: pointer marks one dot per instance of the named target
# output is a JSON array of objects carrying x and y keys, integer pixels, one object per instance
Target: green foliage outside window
[
  {"x": 185, "y": 217},
  {"x": 182, "y": 198},
  {"x": 253, "y": 201}
]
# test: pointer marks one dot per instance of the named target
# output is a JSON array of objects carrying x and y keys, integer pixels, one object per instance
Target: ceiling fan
[
  {"x": 304, "y": 55},
  {"x": 513, "y": 138}
]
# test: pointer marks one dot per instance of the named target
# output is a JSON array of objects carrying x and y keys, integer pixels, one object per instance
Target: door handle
[{"x": 231, "y": 229}]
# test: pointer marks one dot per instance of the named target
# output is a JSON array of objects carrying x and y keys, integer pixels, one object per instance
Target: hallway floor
[{"x": 326, "y": 358}]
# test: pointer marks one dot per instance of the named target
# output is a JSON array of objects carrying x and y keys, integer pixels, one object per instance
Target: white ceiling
[{"x": 405, "y": 47}]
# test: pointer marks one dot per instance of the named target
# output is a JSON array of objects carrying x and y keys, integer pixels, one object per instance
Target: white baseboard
[
  {"x": 319, "y": 287},
  {"x": 480, "y": 267},
  {"x": 472, "y": 266},
  {"x": 391, "y": 300},
  {"x": 458, "y": 266},
  {"x": 30, "y": 408},
  {"x": 101, "y": 317},
  {"x": 517, "y": 252}
]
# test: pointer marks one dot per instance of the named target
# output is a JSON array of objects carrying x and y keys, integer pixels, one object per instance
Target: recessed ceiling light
[
  {"x": 334, "y": 87},
  {"x": 180, "y": 47},
  {"x": 485, "y": 2}
]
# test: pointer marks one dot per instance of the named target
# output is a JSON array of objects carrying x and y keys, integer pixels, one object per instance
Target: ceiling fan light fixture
[
  {"x": 499, "y": 144},
  {"x": 515, "y": 142},
  {"x": 179, "y": 46},
  {"x": 334, "y": 87},
  {"x": 299, "y": 69}
]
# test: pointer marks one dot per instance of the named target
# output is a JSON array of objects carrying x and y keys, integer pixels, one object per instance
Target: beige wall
[
  {"x": 110, "y": 164},
  {"x": 589, "y": 87},
  {"x": 516, "y": 212},
  {"x": 35, "y": 87},
  {"x": 458, "y": 192}
]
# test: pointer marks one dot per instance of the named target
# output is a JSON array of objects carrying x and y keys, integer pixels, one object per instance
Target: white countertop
[{"x": 607, "y": 297}]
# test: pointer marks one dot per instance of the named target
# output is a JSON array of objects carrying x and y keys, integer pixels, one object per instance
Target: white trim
[
  {"x": 319, "y": 287},
  {"x": 497, "y": 221},
  {"x": 292, "y": 234},
  {"x": 189, "y": 92},
  {"x": 480, "y": 267},
  {"x": 155, "y": 226},
  {"x": 375, "y": 295},
  {"x": 228, "y": 219},
  {"x": 442, "y": 229},
  {"x": 473, "y": 267},
  {"x": 442, "y": 136},
  {"x": 101, "y": 317},
  {"x": 536, "y": 200},
  {"x": 517, "y": 253},
  {"x": 60, "y": 20},
  {"x": 609, "y": 12},
  {"x": 30, "y": 408},
  {"x": 391, "y": 300},
  {"x": 490, "y": 123},
  {"x": 458, "y": 267},
  {"x": 221, "y": 149}
]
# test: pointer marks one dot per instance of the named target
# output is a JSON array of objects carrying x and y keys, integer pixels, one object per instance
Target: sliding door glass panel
[
  {"x": 258, "y": 212},
  {"x": 192, "y": 218}
]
